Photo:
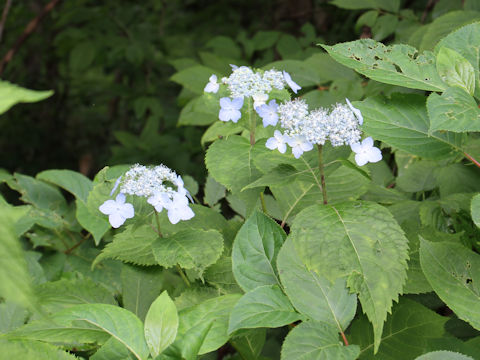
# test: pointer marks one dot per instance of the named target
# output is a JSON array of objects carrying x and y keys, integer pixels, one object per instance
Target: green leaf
[
  {"x": 255, "y": 250},
  {"x": 194, "y": 78},
  {"x": 402, "y": 122},
  {"x": 455, "y": 70},
  {"x": 88, "y": 323},
  {"x": 161, "y": 324},
  {"x": 191, "y": 249},
  {"x": 58, "y": 295},
  {"x": 221, "y": 276},
  {"x": 133, "y": 245},
  {"x": 92, "y": 222},
  {"x": 466, "y": 42},
  {"x": 389, "y": 5},
  {"x": 358, "y": 240},
  {"x": 140, "y": 287},
  {"x": 453, "y": 271},
  {"x": 12, "y": 316},
  {"x": 395, "y": 64},
  {"x": 213, "y": 191},
  {"x": 418, "y": 176},
  {"x": 235, "y": 152},
  {"x": 455, "y": 110},
  {"x": 250, "y": 344},
  {"x": 219, "y": 130},
  {"x": 74, "y": 182},
  {"x": 202, "y": 110},
  {"x": 281, "y": 175},
  {"x": 16, "y": 288},
  {"x": 188, "y": 346},
  {"x": 444, "y": 355},
  {"x": 312, "y": 294},
  {"x": 265, "y": 39},
  {"x": 475, "y": 209},
  {"x": 445, "y": 24},
  {"x": 385, "y": 25},
  {"x": 316, "y": 341},
  {"x": 11, "y": 94},
  {"x": 216, "y": 310},
  {"x": 32, "y": 350},
  {"x": 112, "y": 350},
  {"x": 265, "y": 306},
  {"x": 300, "y": 71}
]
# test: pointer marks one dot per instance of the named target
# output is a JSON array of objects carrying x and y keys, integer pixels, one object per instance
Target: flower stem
[
  {"x": 158, "y": 223},
  {"x": 322, "y": 174},
  {"x": 183, "y": 276},
  {"x": 345, "y": 341},
  {"x": 252, "y": 121},
  {"x": 264, "y": 205}
]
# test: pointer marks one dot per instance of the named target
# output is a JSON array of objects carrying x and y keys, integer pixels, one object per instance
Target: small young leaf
[
  {"x": 11, "y": 94},
  {"x": 265, "y": 306},
  {"x": 455, "y": 70},
  {"x": 161, "y": 324}
]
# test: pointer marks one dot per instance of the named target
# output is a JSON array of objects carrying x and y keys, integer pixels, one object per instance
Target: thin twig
[
  {"x": 6, "y": 9},
  {"x": 430, "y": 5},
  {"x": 29, "y": 29}
]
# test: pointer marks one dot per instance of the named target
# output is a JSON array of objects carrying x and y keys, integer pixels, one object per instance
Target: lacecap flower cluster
[{"x": 162, "y": 188}]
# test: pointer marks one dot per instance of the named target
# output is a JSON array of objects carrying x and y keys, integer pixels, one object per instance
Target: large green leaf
[
  {"x": 140, "y": 287},
  {"x": 313, "y": 340},
  {"x": 133, "y": 245},
  {"x": 202, "y": 110},
  {"x": 161, "y": 324},
  {"x": 255, "y": 250},
  {"x": 15, "y": 281},
  {"x": 87, "y": 324},
  {"x": 12, "y": 316},
  {"x": 389, "y": 5},
  {"x": 475, "y": 209},
  {"x": 11, "y": 94},
  {"x": 360, "y": 241},
  {"x": 216, "y": 310},
  {"x": 235, "y": 152},
  {"x": 32, "y": 350},
  {"x": 112, "y": 350},
  {"x": 444, "y": 355},
  {"x": 194, "y": 78},
  {"x": 265, "y": 306},
  {"x": 312, "y": 294},
  {"x": 396, "y": 64},
  {"x": 466, "y": 42},
  {"x": 454, "y": 273},
  {"x": 402, "y": 122},
  {"x": 412, "y": 329},
  {"x": 455, "y": 110},
  {"x": 191, "y": 249},
  {"x": 74, "y": 182},
  {"x": 250, "y": 343},
  {"x": 95, "y": 224},
  {"x": 58, "y": 295}
]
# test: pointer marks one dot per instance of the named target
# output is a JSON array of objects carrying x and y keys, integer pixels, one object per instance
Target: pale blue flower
[
  {"x": 278, "y": 141},
  {"x": 212, "y": 85},
  {"x": 178, "y": 209},
  {"x": 268, "y": 113},
  {"x": 259, "y": 100},
  {"x": 159, "y": 200},
  {"x": 288, "y": 79},
  {"x": 117, "y": 210},
  {"x": 230, "y": 109},
  {"x": 365, "y": 152},
  {"x": 358, "y": 113},
  {"x": 299, "y": 145}
]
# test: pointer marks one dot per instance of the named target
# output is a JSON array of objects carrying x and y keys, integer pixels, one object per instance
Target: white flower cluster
[
  {"x": 162, "y": 187},
  {"x": 244, "y": 82},
  {"x": 303, "y": 129}
]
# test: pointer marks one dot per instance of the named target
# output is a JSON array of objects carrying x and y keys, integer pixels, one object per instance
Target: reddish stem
[
  {"x": 469, "y": 157},
  {"x": 345, "y": 341}
]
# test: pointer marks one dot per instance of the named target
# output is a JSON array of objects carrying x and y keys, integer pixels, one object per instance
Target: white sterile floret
[
  {"x": 314, "y": 127},
  {"x": 230, "y": 109},
  {"x": 357, "y": 112},
  {"x": 343, "y": 126},
  {"x": 365, "y": 152},
  {"x": 299, "y": 145},
  {"x": 291, "y": 115},
  {"x": 178, "y": 209},
  {"x": 288, "y": 79},
  {"x": 117, "y": 210},
  {"x": 268, "y": 113},
  {"x": 278, "y": 141},
  {"x": 212, "y": 85},
  {"x": 259, "y": 100},
  {"x": 159, "y": 200}
]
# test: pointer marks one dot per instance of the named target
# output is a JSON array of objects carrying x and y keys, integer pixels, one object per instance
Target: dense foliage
[{"x": 321, "y": 199}]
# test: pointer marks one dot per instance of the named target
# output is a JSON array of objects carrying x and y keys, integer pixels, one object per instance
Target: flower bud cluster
[
  {"x": 244, "y": 82},
  {"x": 162, "y": 187}
]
